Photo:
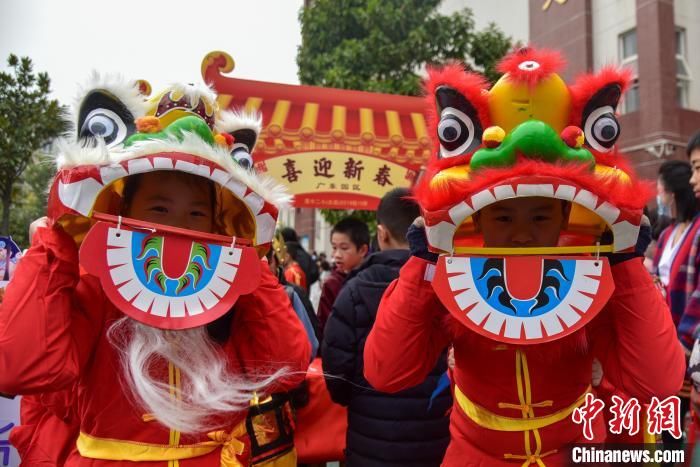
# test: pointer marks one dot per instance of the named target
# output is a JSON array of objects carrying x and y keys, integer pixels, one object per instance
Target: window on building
[
  {"x": 628, "y": 58},
  {"x": 682, "y": 69}
]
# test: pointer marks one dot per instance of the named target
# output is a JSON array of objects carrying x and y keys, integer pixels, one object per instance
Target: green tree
[
  {"x": 333, "y": 216},
  {"x": 382, "y": 46},
  {"x": 29, "y": 120},
  {"x": 30, "y": 196}
]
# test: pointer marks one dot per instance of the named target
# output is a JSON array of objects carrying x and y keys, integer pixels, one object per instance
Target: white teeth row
[
  {"x": 441, "y": 235},
  {"x": 81, "y": 195},
  {"x": 132, "y": 290},
  {"x": 492, "y": 320}
]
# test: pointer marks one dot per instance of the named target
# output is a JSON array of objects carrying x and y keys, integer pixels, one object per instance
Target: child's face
[
  {"x": 166, "y": 199},
  {"x": 523, "y": 222},
  {"x": 346, "y": 255}
]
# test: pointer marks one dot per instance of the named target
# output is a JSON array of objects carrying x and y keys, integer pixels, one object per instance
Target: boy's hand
[
  {"x": 417, "y": 241},
  {"x": 66, "y": 241},
  {"x": 40, "y": 222},
  {"x": 643, "y": 241}
]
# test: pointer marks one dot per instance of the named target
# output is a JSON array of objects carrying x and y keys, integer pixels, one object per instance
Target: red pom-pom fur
[{"x": 548, "y": 61}]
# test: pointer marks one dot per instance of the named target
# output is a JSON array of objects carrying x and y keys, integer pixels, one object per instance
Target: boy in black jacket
[{"x": 407, "y": 428}]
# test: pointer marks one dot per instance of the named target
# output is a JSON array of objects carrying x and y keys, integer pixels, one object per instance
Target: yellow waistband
[
  {"x": 549, "y": 250},
  {"x": 492, "y": 421},
  {"x": 119, "y": 450}
]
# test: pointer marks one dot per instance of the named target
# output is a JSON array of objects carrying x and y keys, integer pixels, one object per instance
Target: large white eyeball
[
  {"x": 456, "y": 133},
  {"x": 104, "y": 124},
  {"x": 602, "y": 129}
]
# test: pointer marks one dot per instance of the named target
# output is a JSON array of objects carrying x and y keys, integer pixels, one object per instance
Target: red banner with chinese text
[{"x": 333, "y": 148}]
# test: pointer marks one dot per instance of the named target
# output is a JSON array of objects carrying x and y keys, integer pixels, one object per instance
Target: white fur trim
[
  {"x": 194, "y": 92},
  {"x": 231, "y": 120},
  {"x": 73, "y": 155},
  {"x": 69, "y": 154},
  {"x": 266, "y": 187},
  {"x": 124, "y": 90}
]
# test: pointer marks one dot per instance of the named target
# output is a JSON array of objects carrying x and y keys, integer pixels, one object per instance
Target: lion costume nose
[{"x": 177, "y": 130}]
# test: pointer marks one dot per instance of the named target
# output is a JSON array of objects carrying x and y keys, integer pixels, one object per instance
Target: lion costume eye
[
  {"x": 459, "y": 130},
  {"x": 104, "y": 124},
  {"x": 456, "y": 133},
  {"x": 601, "y": 129},
  {"x": 240, "y": 154},
  {"x": 599, "y": 123},
  {"x": 103, "y": 116}
]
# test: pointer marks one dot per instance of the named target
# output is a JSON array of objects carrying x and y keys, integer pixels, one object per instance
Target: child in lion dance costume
[
  {"x": 538, "y": 221},
  {"x": 142, "y": 315}
]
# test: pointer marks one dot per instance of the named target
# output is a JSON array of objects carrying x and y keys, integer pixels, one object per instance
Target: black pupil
[
  {"x": 242, "y": 158},
  {"x": 450, "y": 133},
  {"x": 98, "y": 128},
  {"x": 608, "y": 132}
]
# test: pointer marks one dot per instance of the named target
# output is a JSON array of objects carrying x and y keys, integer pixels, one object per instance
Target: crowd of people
[{"x": 161, "y": 320}]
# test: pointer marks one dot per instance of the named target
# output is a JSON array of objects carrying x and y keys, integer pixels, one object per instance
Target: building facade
[{"x": 661, "y": 110}]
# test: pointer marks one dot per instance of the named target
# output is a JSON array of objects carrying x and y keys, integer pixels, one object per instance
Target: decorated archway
[{"x": 333, "y": 148}]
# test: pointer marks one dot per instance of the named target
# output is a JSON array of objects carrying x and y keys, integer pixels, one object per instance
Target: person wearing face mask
[
  {"x": 675, "y": 199},
  {"x": 675, "y": 247}
]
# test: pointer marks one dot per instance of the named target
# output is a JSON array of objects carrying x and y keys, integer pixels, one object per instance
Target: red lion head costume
[{"x": 530, "y": 135}]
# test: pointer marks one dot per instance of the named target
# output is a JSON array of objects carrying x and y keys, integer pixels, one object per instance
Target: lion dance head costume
[
  {"x": 169, "y": 282},
  {"x": 530, "y": 135},
  {"x": 164, "y": 277}
]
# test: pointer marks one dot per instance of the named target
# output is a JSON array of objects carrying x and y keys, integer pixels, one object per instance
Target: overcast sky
[{"x": 157, "y": 40}]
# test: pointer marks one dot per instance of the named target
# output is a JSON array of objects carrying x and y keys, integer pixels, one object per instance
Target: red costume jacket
[
  {"x": 48, "y": 430},
  {"x": 295, "y": 275},
  {"x": 527, "y": 388},
  {"x": 53, "y": 324}
]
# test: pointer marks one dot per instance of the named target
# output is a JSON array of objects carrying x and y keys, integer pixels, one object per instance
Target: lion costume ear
[
  {"x": 595, "y": 99},
  {"x": 458, "y": 110},
  {"x": 107, "y": 107},
  {"x": 459, "y": 129},
  {"x": 245, "y": 129},
  {"x": 246, "y": 137},
  {"x": 242, "y": 151}
]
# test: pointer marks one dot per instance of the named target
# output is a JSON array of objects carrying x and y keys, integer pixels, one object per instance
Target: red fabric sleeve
[
  {"x": 267, "y": 335},
  {"x": 45, "y": 338},
  {"x": 408, "y": 334},
  {"x": 635, "y": 339},
  {"x": 48, "y": 430}
]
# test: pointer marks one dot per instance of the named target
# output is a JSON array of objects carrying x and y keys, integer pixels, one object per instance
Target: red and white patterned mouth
[
  {"x": 167, "y": 280},
  {"x": 442, "y": 225},
  {"x": 76, "y": 190},
  {"x": 123, "y": 275},
  {"x": 481, "y": 297}
]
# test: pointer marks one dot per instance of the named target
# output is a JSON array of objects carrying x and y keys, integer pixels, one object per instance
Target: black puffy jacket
[{"x": 383, "y": 429}]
